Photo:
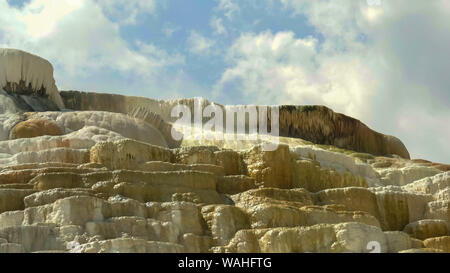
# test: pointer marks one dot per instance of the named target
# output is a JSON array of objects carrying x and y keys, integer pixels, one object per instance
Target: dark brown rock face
[
  {"x": 24, "y": 89},
  {"x": 321, "y": 125}
]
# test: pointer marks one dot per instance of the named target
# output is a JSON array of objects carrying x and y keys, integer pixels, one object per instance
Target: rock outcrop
[
  {"x": 317, "y": 124},
  {"x": 34, "y": 128},
  {"x": 22, "y": 73},
  {"x": 105, "y": 175}
]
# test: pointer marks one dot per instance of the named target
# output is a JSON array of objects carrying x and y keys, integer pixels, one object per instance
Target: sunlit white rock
[{"x": 17, "y": 66}]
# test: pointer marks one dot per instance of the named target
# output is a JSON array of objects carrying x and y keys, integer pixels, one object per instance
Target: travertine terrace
[{"x": 89, "y": 172}]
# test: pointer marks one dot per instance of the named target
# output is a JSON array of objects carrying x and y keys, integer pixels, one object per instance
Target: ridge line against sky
[{"x": 383, "y": 62}]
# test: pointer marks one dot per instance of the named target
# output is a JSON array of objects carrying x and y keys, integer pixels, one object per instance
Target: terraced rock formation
[
  {"x": 317, "y": 124},
  {"x": 101, "y": 173}
]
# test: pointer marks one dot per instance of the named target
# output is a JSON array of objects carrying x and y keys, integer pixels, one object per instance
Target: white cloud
[
  {"x": 373, "y": 13},
  {"x": 216, "y": 24},
  {"x": 40, "y": 17},
  {"x": 158, "y": 57},
  {"x": 126, "y": 11},
  {"x": 80, "y": 41},
  {"x": 280, "y": 68},
  {"x": 383, "y": 64},
  {"x": 169, "y": 30},
  {"x": 229, "y": 7},
  {"x": 427, "y": 131},
  {"x": 199, "y": 44}
]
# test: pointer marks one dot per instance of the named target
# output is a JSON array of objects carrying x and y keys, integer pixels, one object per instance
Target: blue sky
[
  {"x": 180, "y": 18},
  {"x": 383, "y": 62}
]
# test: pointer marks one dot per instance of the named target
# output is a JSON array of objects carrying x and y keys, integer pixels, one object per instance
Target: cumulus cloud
[
  {"x": 229, "y": 7},
  {"x": 216, "y": 24},
  {"x": 199, "y": 44},
  {"x": 80, "y": 41},
  {"x": 280, "y": 68},
  {"x": 126, "y": 11},
  {"x": 382, "y": 64},
  {"x": 170, "y": 29}
]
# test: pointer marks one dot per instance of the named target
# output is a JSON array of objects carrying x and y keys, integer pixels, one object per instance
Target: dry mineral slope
[{"x": 107, "y": 177}]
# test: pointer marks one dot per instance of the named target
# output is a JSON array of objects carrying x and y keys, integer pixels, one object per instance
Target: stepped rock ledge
[{"x": 90, "y": 172}]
